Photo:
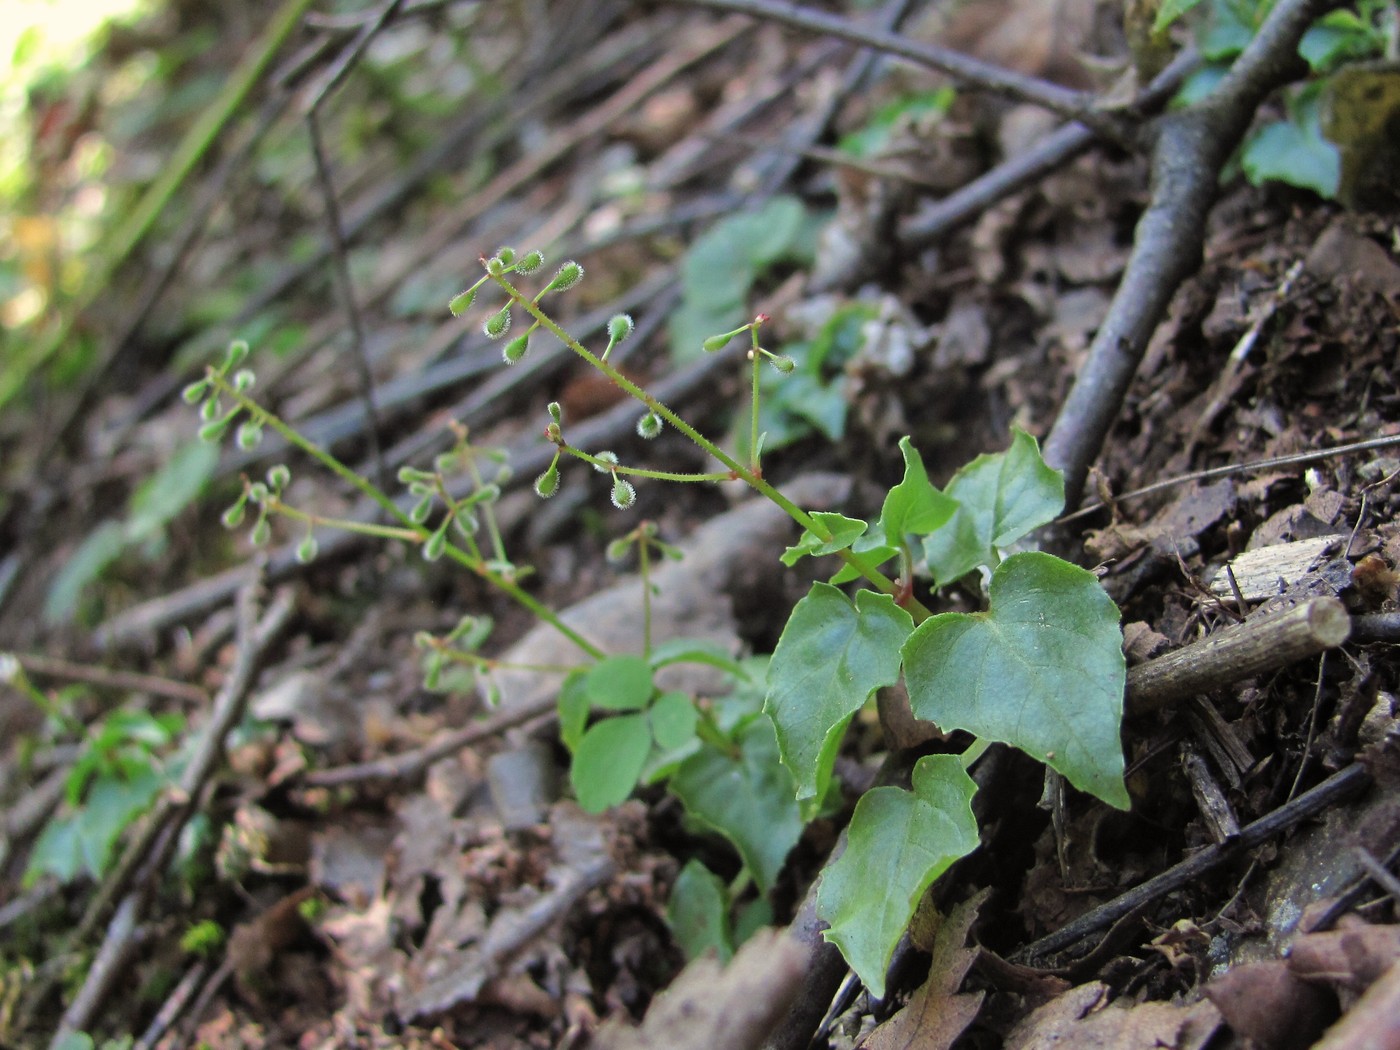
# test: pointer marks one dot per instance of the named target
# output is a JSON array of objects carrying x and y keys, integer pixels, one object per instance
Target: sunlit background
[{"x": 51, "y": 159}]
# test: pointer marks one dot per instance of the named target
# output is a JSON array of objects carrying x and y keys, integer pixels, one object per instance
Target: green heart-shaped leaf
[
  {"x": 833, "y": 654},
  {"x": 913, "y": 505},
  {"x": 898, "y": 843},
  {"x": 747, "y": 797},
  {"x": 1041, "y": 670},
  {"x": 1000, "y": 498}
]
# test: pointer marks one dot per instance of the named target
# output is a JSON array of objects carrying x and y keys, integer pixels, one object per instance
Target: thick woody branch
[{"x": 1192, "y": 146}]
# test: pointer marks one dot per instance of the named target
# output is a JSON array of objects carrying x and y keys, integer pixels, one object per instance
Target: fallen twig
[
  {"x": 146, "y": 856},
  {"x": 1238, "y": 652},
  {"x": 1339, "y": 786},
  {"x": 972, "y": 72},
  {"x": 1056, "y": 149}
]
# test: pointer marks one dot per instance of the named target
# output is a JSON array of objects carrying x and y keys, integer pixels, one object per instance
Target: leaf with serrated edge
[
  {"x": 747, "y": 798},
  {"x": 897, "y": 844},
  {"x": 844, "y": 531},
  {"x": 1041, "y": 670},
  {"x": 832, "y": 655},
  {"x": 913, "y": 505},
  {"x": 1000, "y": 498}
]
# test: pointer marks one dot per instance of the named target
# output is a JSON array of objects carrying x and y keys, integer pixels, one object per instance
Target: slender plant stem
[
  {"x": 644, "y": 565},
  {"x": 364, "y": 528},
  {"x": 643, "y": 472},
  {"x": 753, "y": 401}
]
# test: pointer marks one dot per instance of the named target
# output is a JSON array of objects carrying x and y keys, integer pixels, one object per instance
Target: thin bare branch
[{"x": 1075, "y": 105}]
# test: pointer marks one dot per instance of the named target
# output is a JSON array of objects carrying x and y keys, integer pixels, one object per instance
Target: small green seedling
[{"x": 1040, "y": 668}]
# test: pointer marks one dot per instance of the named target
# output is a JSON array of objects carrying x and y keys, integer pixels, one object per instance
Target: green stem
[
  {"x": 643, "y": 472},
  {"x": 737, "y": 472},
  {"x": 644, "y": 565},
  {"x": 364, "y": 528},
  {"x": 974, "y": 752},
  {"x": 753, "y": 401},
  {"x": 488, "y": 514}
]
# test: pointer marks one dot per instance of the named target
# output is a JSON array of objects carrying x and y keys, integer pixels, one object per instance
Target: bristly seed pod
[
  {"x": 649, "y": 426},
  {"x": 306, "y": 549},
  {"x": 436, "y": 544},
  {"x": 498, "y": 324},
  {"x": 237, "y": 351},
  {"x": 514, "y": 350},
  {"x": 606, "y": 461},
  {"x": 279, "y": 476},
  {"x": 531, "y": 262},
  {"x": 623, "y": 494},
  {"x": 568, "y": 275},
  {"x": 620, "y": 326},
  {"x": 462, "y": 302},
  {"x": 547, "y": 484}
]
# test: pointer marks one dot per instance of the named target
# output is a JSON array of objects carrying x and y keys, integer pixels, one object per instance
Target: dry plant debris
[{"x": 992, "y": 254}]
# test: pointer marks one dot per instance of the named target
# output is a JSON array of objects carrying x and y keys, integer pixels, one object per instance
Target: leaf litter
[{"x": 442, "y": 920}]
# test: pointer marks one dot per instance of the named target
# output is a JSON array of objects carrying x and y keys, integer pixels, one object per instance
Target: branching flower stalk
[
  {"x": 737, "y": 472},
  {"x": 217, "y": 382}
]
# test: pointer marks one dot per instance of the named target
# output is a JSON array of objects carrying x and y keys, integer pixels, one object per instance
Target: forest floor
[{"x": 404, "y": 867}]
